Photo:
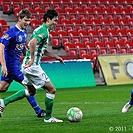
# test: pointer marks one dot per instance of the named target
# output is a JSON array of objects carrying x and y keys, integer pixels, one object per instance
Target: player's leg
[
  {"x": 4, "y": 85},
  {"x": 39, "y": 79},
  {"x": 49, "y": 102},
  {"x": 3, "y": 88},
  {"x": 19, "y": 77},
  {"x": 129, "y": 104},
  {"x": 17, "y": 96},
  {"x": 39, "y": 112},
  {"x": 32, "y": 100}
]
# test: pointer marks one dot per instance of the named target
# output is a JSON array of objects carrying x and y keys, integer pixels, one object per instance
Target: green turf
[{"x": 101, "y": 107}]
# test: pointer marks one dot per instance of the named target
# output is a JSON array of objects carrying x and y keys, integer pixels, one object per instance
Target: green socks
[
  {"x": 17, "y": 96},
  {"x": 49, "y": 105}
]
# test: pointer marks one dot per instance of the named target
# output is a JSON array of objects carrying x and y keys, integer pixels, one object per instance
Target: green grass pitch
[{"x": 101, "y": 107}]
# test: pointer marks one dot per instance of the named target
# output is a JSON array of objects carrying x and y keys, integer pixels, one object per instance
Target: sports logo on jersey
[
  {"x": 41, "y": 35},
  {"x": 20, "y": 38},
  {"x": 19, "y": 46},
  {"x": 6, "y": 36},
  {"x": 25, "y": 35}
]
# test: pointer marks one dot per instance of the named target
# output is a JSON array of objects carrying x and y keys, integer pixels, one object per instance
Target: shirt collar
[
  {"x": 19, "y": 28},
  {"x": 44, "y": 25}
]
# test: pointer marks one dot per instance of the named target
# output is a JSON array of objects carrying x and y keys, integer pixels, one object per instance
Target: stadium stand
[{"x": 102, "y": 27}]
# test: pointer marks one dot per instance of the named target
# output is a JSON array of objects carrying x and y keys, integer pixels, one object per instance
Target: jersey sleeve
[
  {"x": 40, "y": 34},
  {"x": 7, "y": 38}
]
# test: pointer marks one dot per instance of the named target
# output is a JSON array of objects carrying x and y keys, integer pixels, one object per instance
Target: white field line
[{"x": 68, "y": 103}]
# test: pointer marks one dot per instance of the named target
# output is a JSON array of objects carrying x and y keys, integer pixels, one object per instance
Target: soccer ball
[{"x": 74, "y": 114}]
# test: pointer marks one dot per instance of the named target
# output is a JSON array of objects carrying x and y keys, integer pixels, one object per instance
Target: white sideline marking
[
  {"x": 67, "y": 103},
  {"x": 90, "y": 102}
]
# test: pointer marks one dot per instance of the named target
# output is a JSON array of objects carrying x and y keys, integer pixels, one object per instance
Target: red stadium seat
[
  {"x": 39, "y": 10},
  {"x": 72, "y": 52},
  {"x": 15, "y": 3},
  {"x": 107, "y": 10},
  {"x": 126, "y": 10},
  {"x": 53, "y": 33},
  {"x": 99, "y": 10},
  {"x": 34, "y": 23},
  {"x": 57, "y": 28},
  {"x": 16, "y": 11},
  {"x": 65, "y": 21},
  {"x": 75, "y": 21},
  {"x": 55, "y": 43},
  {"x": 68, "y": 45},
  {"x": 72, "y": 16},
  {"x": 7, "y": 9},
  {"x": 60, "y": 10},
  {"x": 117, "y": 10},
  {"x": 90, "y": 45},
  {"x": 102, "y": 52},
  {"x": 79, "y": 45},
  {"x": 25, "y": 3},
  {"x": 35, "y": 3},
  {"x": 74, "y": 39},
  {"x": 4, "y": 28},
  {"x": 85, "y": 20},
  {"x": 131, "y": 51},
  {"x": 62, "y": 33},
  {"x": 82, "y": 32},
  {"x": 86, "y": 56},
  {"x": 105, "y": 21},
  {"x": 87, "y": 10},
  {"x": 3, "y": 22},
  {"x": 92, "y": 32},
  {"x": 68, "y": 10},
  {"x": 123, "y": 51},
  {"x": 104, "y": 32},
  {"x": 64, "y": 40},
  {"x": 121, "y": 47},
  {"x": 78, "y": 27},
  {"x": 81, "y": 49},
  {"x": 72, "y": 33},
  {"x": 68, "y": 27},
  {"x": 78, "y": 9},
  {"x": 96, "y": 21},
  {"x": 113, "y": 51}
]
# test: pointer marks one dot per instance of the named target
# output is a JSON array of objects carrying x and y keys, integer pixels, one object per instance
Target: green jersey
[{"x": 42, "y": 35}]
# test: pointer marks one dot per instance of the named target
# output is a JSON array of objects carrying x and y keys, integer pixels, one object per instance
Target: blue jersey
[{"x": 14, "y": 40}]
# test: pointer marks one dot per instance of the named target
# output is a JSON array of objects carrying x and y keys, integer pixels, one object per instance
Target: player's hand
[
  {"x": 60, "y": 59},
  {"x": 4, "y": 71},
  {"x": 29, "y": 63}
]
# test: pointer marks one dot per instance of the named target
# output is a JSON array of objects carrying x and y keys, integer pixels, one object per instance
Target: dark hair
[
  {"x": 24, "y": 13},
  {"x": 50, "y": 13}
]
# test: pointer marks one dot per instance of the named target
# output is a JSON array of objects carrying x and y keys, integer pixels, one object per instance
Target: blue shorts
[{"x": 16, "y": 75}]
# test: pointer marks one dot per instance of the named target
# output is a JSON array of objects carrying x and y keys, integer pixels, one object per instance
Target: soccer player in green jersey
[
  {"x": 12, "y": 44},
  {"x": 34, "y": 76}
]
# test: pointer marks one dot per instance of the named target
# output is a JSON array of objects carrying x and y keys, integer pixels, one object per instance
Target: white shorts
[{"x": 35, "y": 76}]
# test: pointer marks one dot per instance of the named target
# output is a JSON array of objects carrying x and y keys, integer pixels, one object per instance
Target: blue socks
[
  {"x": 34, "y": 104},
  {"x": 131, "y": 99}
]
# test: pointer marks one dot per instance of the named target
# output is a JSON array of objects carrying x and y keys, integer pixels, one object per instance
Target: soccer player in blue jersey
[
  {"x": 34, "y": 75},
  {"x": 129, "y": 104},
  {"x": 12, "y": 44}
]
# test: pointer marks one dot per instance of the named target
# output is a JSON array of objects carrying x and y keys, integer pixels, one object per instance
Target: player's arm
[
  {"x": 2, "y": 60},
  {"x": 48, "y": 53},
  {"x": 32, "y": 45}
]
